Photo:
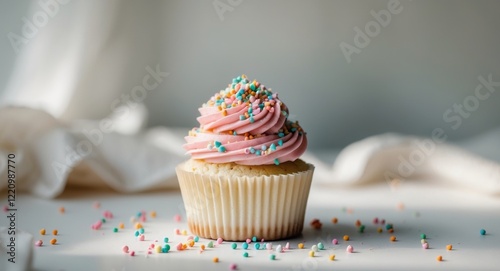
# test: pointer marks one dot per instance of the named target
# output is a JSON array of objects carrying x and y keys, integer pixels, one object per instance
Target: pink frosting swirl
[{"x": 246, "y": 124}]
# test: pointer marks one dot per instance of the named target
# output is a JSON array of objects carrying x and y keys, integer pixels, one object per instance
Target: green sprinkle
[
  {"x": 234, "y": 245},
  {"x": 482, "y": 232},
  {"x": 256, "y": 246},
  {"x": 321, "y": 246},
  {"x": 280, "y": 142},
  {"x": 388, "y": 226},
  {"x": 166, "y": 248},
  {"x": 272, "y": 147},
  {"x": 272, "y": 257},
  {"x": 141, "y": 230},
  {"x": 136, "y": 233},
  {"x": 103, "y": 220},
  {"x": 252, "y": 120},
  {"x": 196, "y": 239},
  {"x": 257, "y": 152},
  {"x": 115, "y": 229},
  {"x": 244, "y": 245},
  {"x": 252, "y": 150},
  {"x": 245, "y": 254},
  {"x": 252, "y": 86},
  {"x": 250, "y": 110},
  {"x": 210, "y": 244},
  {"x": 222, "y": 149},
  {"x": 281, "y": 134},
  {"x": 165, "y": 239},
  {"x": 361, "y": 228},
  {"x": 276, "y": 161},
  {"x": 423, "y": 236},
  {"x": 254, "y": 239},
  {"x": 242, "y": 117},
  {"x": 217, "y": 144}
]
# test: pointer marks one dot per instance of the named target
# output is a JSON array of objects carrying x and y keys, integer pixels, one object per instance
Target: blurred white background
[{"x": 427, "y": 59}]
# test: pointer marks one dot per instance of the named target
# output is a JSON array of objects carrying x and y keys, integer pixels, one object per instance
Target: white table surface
[{"x": 445, "y": 215}]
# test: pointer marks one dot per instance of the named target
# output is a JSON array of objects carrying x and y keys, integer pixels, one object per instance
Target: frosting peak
[{"x": 247, "y": 124}]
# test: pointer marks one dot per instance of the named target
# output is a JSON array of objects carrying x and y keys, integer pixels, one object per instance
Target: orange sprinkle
[
  {"x": 138, "y": 226},
  {"x": 62, "y": 210},
  {"x": 215, "y": 260},
  {"x": 439, "y": 258},
  {"x": 335, "y": 220},
  {"x": 54, "y": 232},
  {"x": 346, "y": 237},
  {"x": 202, "y": 247},
  {"x": 449, "y": 247},
  {"x": 42, "y": 232},
  {"x": 300, "y": 246},
  {"x": 379, "y": 230},
  {"x": 184, "y": 246},
  {"x": 121, "y": 225},
  {"x": 191, "y": 243},
  {"x": 224, "y": 112},
  {"x": 53, "y": 241},
  {"x": 153, "y": 214},
  {"x": 393, "y": 238},
  {"x": 358, "y": 223},
  {"x": 391, "y": 230}
]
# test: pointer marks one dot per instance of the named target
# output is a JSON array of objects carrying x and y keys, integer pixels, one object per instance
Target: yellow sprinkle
[
  {"x": 184, "y": 232},
  {"x": 449, "y": 247},
  {"x": 191, "y": 243},
  {"x": 379, "y": 230},
  {"x": 224, "y": 112},
  {"x": 311, "y": 253},
  {"x": 121, "y": 225},
  {"x": 138, "y": 226},
  {"x": 332, "y": 257},
  {"x": 158, "y": 249},
  {"x": 42, "y": 232},
  {"x": 153, "y": 214},
  {"x": 300, "y": 246}
]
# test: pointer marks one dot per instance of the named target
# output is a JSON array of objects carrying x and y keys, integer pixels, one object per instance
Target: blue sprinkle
[
  {"x": 234, "y": 133},
  {"x": 272, "y": 147},
  {"x": 251, "y": 119},
  {"x": 280, "y": 142},
  {"x": 244, "y": 245},
  {"x": 222, "y": 149},
  {"x": 235, "y": 80},
  {"x": 165, "y": 239},
  {"x": 139, "y": 214},
  {"x": 281, "y": 134},
  {"x": 254, "y": 239},
  {"x": 252, "y": 86},
  {"x": 252, "y": 150},
  {"x": 270, "y": 97},
  {"x": 264, "y": 147},
  {"x": 276, "y": 161},
  {"x": 293, "y": 129},
  {"x": 136, "y": 233},
  {"x": 228, "y": 106},
  {"x": 242, "y": 117},
  {"x": 261, "y": 106},
  {"x": 141, "y": 230},
  {"x": 238, "y": 78},
  {"x": 250, "y": 110},
  {"x": 196, "y": 238},
  {"x": 257, "y": 152},
  {"x": 238, "y": 96},
  {"x": 217, "y": 144},
  {"x": 256, "y": 246}
]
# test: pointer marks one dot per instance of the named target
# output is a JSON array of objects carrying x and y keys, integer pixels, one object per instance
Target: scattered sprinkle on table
[
  {"x": 219, "y": 240},
  {"x": 311, "y": 253},
  {"x": 393, "y": 238},
  {"x": 215, "y": 260},
  {"x": 425, "y": 245},
  {"x": 300, "y": 246},
  {"x": 233, "y": 266},
  {"x": 346, "y": 237},
  {"x": 39, "y": 243},
  {"x": 245, "y": 254},
  {"x": 482, "y": 232},
  {"x": 42, "y": 232},
  {"x": 234, "y": 245},
  {"x": 272, "y": 257},
  {"x": 439, "y": 258},
  {"x": 350, "y": 249},
  {"x": 423, "y": 236},
  {"x": 53, "y": 241},
  {"x": 449, "y": 247},
  {"x": 335, "y": 220},
  {"x": 332, "y": 257},
  {"x": 335, "y": 241}
]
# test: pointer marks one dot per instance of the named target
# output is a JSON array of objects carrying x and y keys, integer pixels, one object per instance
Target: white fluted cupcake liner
[{"x": 236, "y": 208}]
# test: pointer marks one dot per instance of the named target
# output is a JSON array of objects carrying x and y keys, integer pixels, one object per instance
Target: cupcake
[{"x": 245, "y": 178}]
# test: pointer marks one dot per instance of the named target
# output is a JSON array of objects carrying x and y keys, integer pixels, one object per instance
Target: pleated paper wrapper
[{"x": 237, "y": 208}]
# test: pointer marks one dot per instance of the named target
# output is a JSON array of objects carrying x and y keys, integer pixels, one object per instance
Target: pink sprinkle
[
  {"x": 335, "y": 241},
  {"x": 262, "y": 240},
  {"x": 269, "y": 246},
  {"x": 233, "y": 266},
  {"x": 382, "y": 221},
  {"x": 142, "y": 218},
  {"x": 349, "y": 249},
  {"x": 132, "y": 253},
  {"x": 5, "y": 208},
  {"x": 108, "y": 214},
  {"x": 375, "y": 220},
  {"x": 141, "y": 237},
  {"x": 177, "y": 218},
  {"x": 249, "y": 241},
  {"x": 179, "y": 246},
  {"x": 150, "y": 252},
  {"x": 39, "y": 243},
  {"x": 287, "y": 246},
  {"x": 152, "y": 246},
  {"x": 97, "y": 205},
  {"x": 219, "y": 240},
  {"x": 177, "y": 231},
  {"x": 190, "y": 237},
  {"x": 125, "y": 249},
  {"x": 425, "y": 245}
]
